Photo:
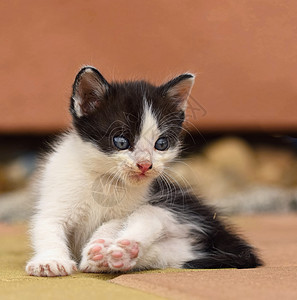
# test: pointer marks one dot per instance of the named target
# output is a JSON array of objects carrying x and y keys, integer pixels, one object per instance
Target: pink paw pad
[
  {"x": 130, "y": 246},
  {"x": 134, "y": 251},
  {"x": 116, "y": 254},
  {"x": 95, "y": 249},
  {"x": 98, "y": 257},
  {"x": 97, "y": 252},
  {"x": 124, "y": 242},
  {"x": 101, "y": 241},
  {"x": 123, "y": 255},
  {"x": 118, "y": 265},
  {"x": 94, "y": 256}
]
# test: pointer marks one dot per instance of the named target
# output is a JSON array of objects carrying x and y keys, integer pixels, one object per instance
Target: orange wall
[{"x": 243, "y": 52}]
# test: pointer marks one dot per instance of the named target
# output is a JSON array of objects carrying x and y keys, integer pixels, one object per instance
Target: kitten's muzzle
[{"x": 144, "y": 166}]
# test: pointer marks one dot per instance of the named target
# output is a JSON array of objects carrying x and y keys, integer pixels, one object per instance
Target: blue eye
[
  {"x": 162, "y": 144},
  {"x": 121, "y": 143}
]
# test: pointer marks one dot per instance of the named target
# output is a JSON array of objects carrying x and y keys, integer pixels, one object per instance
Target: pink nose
[{"x": 144, "y": 166}]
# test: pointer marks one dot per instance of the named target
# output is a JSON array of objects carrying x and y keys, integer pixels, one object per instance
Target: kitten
[{"x": 106, "y": 202}]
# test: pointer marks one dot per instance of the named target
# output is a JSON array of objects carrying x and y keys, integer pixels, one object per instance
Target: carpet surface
[
  {"x": 16, "y": 284},
  {"x": 274, "y": 235}
]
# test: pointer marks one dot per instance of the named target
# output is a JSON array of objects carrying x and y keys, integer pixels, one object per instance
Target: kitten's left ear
[
  {"x": 179, "y": 89},
  {"x": 89, "y": 89}
]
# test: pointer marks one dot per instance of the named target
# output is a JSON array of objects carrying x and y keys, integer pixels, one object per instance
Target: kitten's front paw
[
  {"x": 123, "y": 255},
  {"x": 50, "y": 267},
  {"x": 94, "y": 258}
]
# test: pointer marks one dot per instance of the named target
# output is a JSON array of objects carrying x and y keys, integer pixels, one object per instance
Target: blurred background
[{"x": 241, "y": 122}]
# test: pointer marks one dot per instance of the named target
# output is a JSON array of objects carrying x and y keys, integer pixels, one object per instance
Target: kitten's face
[{"x": 136, "y": 125}]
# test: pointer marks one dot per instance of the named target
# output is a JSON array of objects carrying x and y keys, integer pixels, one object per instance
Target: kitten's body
[{"x": 108, "y": 207}]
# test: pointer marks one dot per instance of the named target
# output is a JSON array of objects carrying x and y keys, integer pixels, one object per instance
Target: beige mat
[
  {"x": 276, "y": 239},
  {"x": 274, "y": 236}
]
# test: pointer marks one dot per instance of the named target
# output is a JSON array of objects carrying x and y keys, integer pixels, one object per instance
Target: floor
[{"x": 274, "y": 235}]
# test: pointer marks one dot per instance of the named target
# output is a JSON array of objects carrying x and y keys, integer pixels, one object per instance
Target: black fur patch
[
  {"x": 220, "y": 246},
  {"x": 121, "y": 111}
]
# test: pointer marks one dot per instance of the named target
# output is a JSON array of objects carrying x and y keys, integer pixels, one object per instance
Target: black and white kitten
[{"x": 105, "y": 201}]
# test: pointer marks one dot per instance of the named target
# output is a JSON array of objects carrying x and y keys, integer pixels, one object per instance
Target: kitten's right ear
[
  {"x": 89, "y": 89},
  {"x": 178, "y": 89}
]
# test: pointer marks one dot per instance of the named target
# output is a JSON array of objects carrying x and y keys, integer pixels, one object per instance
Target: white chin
[{"x": 137, "y": 179}]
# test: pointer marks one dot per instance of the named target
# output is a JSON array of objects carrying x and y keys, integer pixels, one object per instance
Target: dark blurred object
[
  {"x": 18, "y": 157},
  {"x": 244, "y": 54},
  {"x": 292, "y": 140},
  {"x": 244, "y": 173},
  {"x": 18, "y": 160},
  {"x": 14, "y": 174}
]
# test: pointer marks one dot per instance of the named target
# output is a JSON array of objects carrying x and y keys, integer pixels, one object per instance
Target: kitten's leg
[
  {"x": 52, "y": 256},
  {"x": 94, "y": 254},
  {"x": 222, "y": 248},
  {"x": 151, "y": 238}
]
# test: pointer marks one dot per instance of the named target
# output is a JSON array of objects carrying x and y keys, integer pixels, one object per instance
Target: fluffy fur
[{"x": 106, "y": 207}]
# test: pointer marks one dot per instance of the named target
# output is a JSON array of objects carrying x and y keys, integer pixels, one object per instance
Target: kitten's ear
[
  {"x": 89, "y": 89},
  {"x": 179, "y": 89}
]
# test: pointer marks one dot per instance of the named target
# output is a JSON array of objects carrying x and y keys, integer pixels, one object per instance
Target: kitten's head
[{"x": 135, "y": 125}]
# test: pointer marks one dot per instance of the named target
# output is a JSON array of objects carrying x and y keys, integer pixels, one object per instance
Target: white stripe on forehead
[
  {"x": 149, "y": 124},
  {"x": 149, "y": 133}
]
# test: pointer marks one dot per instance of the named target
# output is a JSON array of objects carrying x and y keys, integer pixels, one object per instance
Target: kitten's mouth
[{"x": 138, "y": 177}]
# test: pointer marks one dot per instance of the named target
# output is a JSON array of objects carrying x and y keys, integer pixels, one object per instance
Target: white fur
[
  {"x": 86, "y": 194},
  {"x": 144, "y": 148}
]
